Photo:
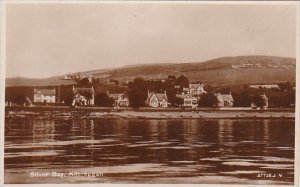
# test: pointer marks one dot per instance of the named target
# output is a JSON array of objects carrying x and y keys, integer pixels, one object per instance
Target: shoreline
[{"x": 87, "y": 113}]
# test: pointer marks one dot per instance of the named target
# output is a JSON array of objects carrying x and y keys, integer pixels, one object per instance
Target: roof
[
  {"x": 195, "y": 86},
  {"x": 50, "y": 92},
  {"x": 116, "y": 95},
  {"x": 159, "y": 96},
  {"x": 82, "y": 90},
  {"x": 227, "y": 97}
]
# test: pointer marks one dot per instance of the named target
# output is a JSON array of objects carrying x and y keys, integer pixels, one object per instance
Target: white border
[
  {"x": 2, "y": 82},
  {"x": 297, "y": 111},
  {"x": 205, "y": 2},
  {"x": 2, "y": 86}
]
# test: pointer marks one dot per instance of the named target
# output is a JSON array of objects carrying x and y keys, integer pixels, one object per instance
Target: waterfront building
[
  {"x": 44, "y": 95},
  {"x": 265, "y": 101},
  {"x": 189, "y": 100},
  {"x": 83, "y": 96},
  {"x": 120, "y": 99},
  {"x": 157, "y": 99},
  {"x": 194, "y": 89},
  {"x": 224, "y": 100},
  {"x": 267, "y": 86}
]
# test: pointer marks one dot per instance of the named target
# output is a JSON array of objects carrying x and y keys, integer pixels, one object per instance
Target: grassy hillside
[
  {"x": 216, "y": 72},
  {"x": 52, "y": 81}
]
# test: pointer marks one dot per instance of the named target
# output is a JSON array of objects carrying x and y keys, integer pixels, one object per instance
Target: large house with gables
[
  {"x": 44, "y": 95},
  {"x": 157, "y": 99},
  {"x": 83, "y": 96},
  {"x": 191, "y": 95},
  {"x": 224, "y": 100},
  {"x": 120, "y": 99},
  {"x": 189, "y": 101},
  {"x": 194, "y": 89}
]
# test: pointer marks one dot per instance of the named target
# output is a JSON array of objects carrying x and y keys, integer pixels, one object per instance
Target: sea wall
[{"x": 144, "y": 113}]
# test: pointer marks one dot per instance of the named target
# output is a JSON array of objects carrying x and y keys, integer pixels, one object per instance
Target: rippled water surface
[{"x": 150, "y": 151}]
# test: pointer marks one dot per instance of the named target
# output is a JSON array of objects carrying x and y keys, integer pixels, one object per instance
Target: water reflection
[{"x": 151, "y": 151}]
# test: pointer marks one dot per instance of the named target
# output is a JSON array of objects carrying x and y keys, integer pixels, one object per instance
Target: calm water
[{"x": 149, "y": 151}]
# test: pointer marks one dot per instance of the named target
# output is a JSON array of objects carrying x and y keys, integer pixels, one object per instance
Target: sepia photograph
[{"x": 157, "y": 92}]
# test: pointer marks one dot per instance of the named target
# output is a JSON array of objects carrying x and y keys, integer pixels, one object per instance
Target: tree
[
  {"x": 138, "y": 90},
  {"x": 172, "y": 77},
  {"x": 258, "y": 101},
  {"x": 88, "y": 95},
  {"x": 182, "y": 81},
  {"x": 102, "y": 99},
  {"x": 171, "y": 94},
  {"x": 283, "y": 99},
  {"x": 137, "y": 98},
  {"x": 66, "y": 95},
  {"x": 291, "y": 98},
  {"x": 20, "y": 99},
  {"x": 242, "y": 99},
  {"x": 178, "y": 101},
  {"x": 285, "y": 86},
  {"x": 208, "y": 88},
  {"x": 171, "y": 80},
  {"x": 168, "y": 86},
  {"x": 85, "y": 82},
  {"x": 156, "y": 86},
  {"x": 208, "y": 100}
]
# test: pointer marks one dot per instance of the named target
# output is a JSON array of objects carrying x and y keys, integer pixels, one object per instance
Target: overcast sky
[{"x": 52, "y": 39}]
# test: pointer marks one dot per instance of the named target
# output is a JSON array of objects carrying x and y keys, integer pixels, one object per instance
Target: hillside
[
  {"x": 52, "y": 81},
  {"x": 224, "y": 71}
]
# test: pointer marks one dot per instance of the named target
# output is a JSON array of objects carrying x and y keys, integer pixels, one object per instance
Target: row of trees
[
  {"x": 285, "y": 97},
  {"x": 138, "y": 89}
]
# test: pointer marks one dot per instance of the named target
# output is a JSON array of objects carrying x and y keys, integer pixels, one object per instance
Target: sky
[{"x": 48, "y": 39}]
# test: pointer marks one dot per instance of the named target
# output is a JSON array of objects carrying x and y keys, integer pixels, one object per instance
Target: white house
[
  {"x": 267, "y": 86},
  {"x": 44, "y": 95},
  {"x": 157, "y": 99},
  {"x": 196, "y": 89},
  {"x": 120, "y": 99},
  {"x": 266, "y": 101},
  {"x": 224, "y": 100},
  {"x": 189, "y": 100},
  {"x": 83, "y": 96}
]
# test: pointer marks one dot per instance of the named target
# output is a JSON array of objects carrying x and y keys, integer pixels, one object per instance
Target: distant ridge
[{"x": 224, "y": 71}]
